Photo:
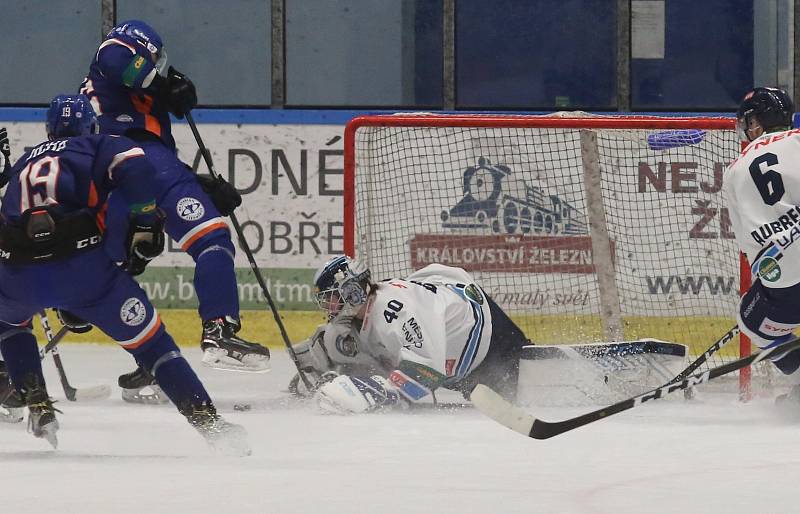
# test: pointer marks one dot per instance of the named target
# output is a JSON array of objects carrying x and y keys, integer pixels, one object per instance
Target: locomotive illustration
[{"x": 486, "y": 205}]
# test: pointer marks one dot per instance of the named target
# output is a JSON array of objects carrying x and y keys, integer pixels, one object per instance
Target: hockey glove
[
  {"x": 354, "y": 395},
  {"x": 73, "y": 322},
  {"x": 5, "y": 158},
  {"x": 223, "y": 195},
  {"x": 178, "y": 93},
  {"x": 145, "y": 243}
]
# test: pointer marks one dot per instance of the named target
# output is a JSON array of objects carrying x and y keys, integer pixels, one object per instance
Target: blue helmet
[
  {"x": 71, "y": 115},
  {"x": 142, "y": 34},
  {"x": 771, "y": 107}
]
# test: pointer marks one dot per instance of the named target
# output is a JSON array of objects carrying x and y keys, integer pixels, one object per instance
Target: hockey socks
[
  {"x": 21, "y": 354},
  {"x": 215, "y": 281},
  {"x": 177, "y": 379}
]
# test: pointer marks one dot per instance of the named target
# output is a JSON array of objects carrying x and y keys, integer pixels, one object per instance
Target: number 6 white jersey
[
  {"x": 436, "y": 317},
  {"x": 762, "y": 192}
]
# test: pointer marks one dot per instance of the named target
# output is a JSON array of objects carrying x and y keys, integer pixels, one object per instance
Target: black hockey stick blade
[
  {"x": 504, "y": 412},
  {"x": 714, "y": 348},
  {"x": 72, "y": 394}
]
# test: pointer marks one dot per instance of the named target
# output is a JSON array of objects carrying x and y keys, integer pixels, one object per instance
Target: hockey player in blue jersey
[
  {"x": 51, "y": 255},
  {"x": 134, "y": 93}
]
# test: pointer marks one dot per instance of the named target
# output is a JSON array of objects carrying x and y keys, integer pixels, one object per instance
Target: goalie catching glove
[
  {"x": 354, "y": 395},
  {"x": 145, "y": 243}
]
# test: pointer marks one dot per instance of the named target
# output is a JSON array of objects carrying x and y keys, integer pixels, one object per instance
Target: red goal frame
[{"x": 530, "y": 121}]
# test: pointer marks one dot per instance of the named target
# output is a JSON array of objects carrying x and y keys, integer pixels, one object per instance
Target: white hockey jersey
[
  {"x": 762, "y": 192},
  {"x": 436, "y": 317}
]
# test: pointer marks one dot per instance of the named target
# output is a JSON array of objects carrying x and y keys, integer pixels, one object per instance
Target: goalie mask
[{"x": 341, "y": 281}]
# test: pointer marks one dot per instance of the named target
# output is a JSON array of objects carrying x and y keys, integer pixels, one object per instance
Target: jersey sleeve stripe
[
  {"x": 145, "y": 335},
  {"x": 200, "y": 230},
  {"x": 122, "y": 157}
]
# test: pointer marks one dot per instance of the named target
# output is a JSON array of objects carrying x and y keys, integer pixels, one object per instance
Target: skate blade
[
  {"x": 48, "y": 433},
  {"x": 148, "y": 395},
  {"x": 231, "y": 441},
  {"x": 218, "y": 358}
]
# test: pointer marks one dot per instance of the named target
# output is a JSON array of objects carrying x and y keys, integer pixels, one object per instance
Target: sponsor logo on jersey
[
  {"x": 133, "y": 312},
  {"x": 190, "y": 209},
  {"x": 775, "y": 328},
  {"x": 769, "y": 269},
  {"x": 785, "y": 223},
  {"x": 124, "y": 118},
  {"x": 412, "y": 334}
]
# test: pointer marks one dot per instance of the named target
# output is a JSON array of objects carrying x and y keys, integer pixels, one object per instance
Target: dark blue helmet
[
  {"x": 771, "y": 107},
  {"x": 70, "y": 115},
  {"x": 140, "y": 33}
]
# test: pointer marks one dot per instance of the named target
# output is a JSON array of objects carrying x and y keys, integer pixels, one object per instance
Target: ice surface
[{"x": 713, "y": 456}]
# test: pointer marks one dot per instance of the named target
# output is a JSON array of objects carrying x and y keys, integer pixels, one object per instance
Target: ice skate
[
  {"x": 12, "y": 408},
  {"x": 222, "y": 349},
  {"x": 224, "y": 438},
  {"x": 139, "y": 386},
  {"x": 42, "y": 422}
]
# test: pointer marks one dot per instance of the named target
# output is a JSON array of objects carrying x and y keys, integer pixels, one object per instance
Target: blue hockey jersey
[
  {"x": 79, "y": 173},
  {"x": 119, "y": 85}
]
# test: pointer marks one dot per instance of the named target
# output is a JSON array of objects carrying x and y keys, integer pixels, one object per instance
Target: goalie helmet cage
[{"x": 583, "y": 228}]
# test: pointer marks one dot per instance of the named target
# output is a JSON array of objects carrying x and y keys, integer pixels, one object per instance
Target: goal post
[{"x": 583, "y": 228}]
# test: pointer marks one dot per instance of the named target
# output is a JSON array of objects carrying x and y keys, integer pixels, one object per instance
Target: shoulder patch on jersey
[
  {"x": 769, "y": 269},
  {"x": 473, "y": 293}
]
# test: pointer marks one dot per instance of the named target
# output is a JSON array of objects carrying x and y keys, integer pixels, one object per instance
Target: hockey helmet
[
  {"x": 71, "y": 115},
  {"x": 142, "y": 34},
  {"x": 771, "y": 107},
  {"x": 341, "y": 280}
]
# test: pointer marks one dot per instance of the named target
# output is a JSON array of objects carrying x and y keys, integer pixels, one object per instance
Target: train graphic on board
[{"x": 486, "y": 205}]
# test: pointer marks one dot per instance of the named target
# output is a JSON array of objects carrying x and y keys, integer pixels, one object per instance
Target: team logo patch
[
  {"x": 769, "y": 269},
  {"x": 473, "y": 293},
  {"x": 190, "y": 209},
  {"x": 133, "y": 312}
]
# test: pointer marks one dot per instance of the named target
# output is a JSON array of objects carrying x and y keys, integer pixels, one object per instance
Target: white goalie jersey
[
  {"x": 762, "y": 191},
  {"x": 436, "y": 317}
]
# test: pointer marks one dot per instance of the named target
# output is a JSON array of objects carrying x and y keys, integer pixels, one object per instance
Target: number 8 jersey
[{"x": 762, "y": 192}]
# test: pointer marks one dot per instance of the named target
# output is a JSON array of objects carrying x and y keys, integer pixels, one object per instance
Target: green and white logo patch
[{"x": 769, "y": 269}]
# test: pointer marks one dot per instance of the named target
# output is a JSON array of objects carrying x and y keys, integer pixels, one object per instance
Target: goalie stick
[
  {"x": 99, "y": 392},
  {"x": 249, "y": 253},
  {"x": 504, "y": 412}
]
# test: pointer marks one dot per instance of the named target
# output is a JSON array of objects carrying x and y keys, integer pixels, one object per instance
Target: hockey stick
[
  {"x": 99, "y": 392},
  {"x": 249, "y": 253},
  {"x": 504, "y": 412},
  {"x": 714, "y": 348}
]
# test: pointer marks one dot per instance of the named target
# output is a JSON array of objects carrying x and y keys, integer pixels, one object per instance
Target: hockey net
[{"x": 583, "y": 228}]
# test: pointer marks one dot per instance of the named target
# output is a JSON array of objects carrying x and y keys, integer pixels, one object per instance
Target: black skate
[
  {"x": 42, "y": 420},
  {"x": 224, "y": 438},
  {"x": 139, "y": 386},
  {"x": 222, "y": 349},
  {"x": 12, "y": 408}
]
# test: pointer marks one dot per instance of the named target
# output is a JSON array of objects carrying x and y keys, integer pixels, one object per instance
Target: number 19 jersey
[{"x": 762, "y": 192}]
